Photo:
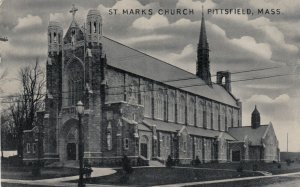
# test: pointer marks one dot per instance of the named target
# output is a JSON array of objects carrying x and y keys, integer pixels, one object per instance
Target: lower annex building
[{"x": 135, "y": 104}]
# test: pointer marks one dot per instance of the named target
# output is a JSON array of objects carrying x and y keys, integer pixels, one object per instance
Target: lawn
[
  {"x": 261, "y": 166},
  {"x": 24, "y": 173},
  {"x": 159, "y": 176}
]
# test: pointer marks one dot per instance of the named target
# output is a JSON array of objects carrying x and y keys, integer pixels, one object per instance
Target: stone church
[{"x": 135, "y": 104}]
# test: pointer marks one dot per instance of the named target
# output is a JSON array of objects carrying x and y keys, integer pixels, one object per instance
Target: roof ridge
[{"x": 152, "y": 57}]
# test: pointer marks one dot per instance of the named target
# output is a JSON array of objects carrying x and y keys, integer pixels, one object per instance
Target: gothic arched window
[
  {"x": 208, "y": 115},
  {"x": 109, "y": 136},
  {"x": 146, "y": 101},
  {"x": 59, "y": 39},
  {"x": 191, "y": 112},
  {"x": 75, "y": 82},
  {"x": 215, "y": 116},
  {"x": 90, "y": 25},
  {"x": 95, "y": 27},
  {"x": 171, "y": 107},
  {"x": 181, "y": 110},
  {"x": 100, "y": 28},
  {"x": 50, "y": 38},
  {"x": 159, "y": 104},
  {"x": 54, "y": 37},
  {"x": 199, "y": 114}
]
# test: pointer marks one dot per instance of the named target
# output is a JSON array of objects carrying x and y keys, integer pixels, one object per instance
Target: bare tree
[{"x": 30, "y": 100}]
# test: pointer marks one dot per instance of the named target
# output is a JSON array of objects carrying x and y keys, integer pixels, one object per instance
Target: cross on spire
[{"x": 73, "y": 11}]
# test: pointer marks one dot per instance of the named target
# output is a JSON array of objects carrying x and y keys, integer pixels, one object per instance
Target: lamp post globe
[{"x": 79, "y": 107}]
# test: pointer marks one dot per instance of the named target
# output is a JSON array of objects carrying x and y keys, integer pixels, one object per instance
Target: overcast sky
[{"x": 237, "y": 43}]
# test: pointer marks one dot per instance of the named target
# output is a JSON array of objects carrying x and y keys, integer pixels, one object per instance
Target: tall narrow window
[
  {"x": 59, "y": 39},
  {"x": 191, "y": 112},
  {"x": 171, "y": 107},
  {"x": 54, "y": 37},
  {"x": 146, "y": 101},
  {"x": 95, "y": 27},
  {"x": 109, "y": 136},
  {"x": 159, "y": 104},
  {"x": 34, "y": 148},
  {"x": 90, "y": 24},
  {"x": 50, "y": 38},
  {"x": 75, "y": 81},
  {"x": 199, "y": 114},
  {"x": 99, "y": 28},
  {"x": 28, "y": 147},
  {"x": 181, "y": 110}
]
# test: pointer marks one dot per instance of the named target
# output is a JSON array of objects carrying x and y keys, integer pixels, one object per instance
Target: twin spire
[{"x": 203, "y": 64}]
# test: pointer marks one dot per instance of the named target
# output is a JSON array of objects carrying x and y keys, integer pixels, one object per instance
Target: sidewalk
[
  {"x": 228, "y": 180},
  {"x": 97, "y": 172}
]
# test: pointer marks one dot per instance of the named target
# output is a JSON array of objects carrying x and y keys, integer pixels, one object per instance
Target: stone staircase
[
  {"x": 67, "y": 163},
  {"x": 156, "y": 163}
]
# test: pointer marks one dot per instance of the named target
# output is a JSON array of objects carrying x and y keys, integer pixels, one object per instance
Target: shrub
[
  {"x": 288, "y": 161},
  {"x": 255, "y": 167},
  {"x": 240, "y": 168},
  {"x": 169, "y": 162},
  {"x": 197, "y": 161},
  {"x": 279, "y": 166},
  {"x": 126, "y": 165}
]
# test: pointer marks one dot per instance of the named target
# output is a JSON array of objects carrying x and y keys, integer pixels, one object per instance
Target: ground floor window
[
  {"x": 126, "y": 143},
  {"x": 34, "y": 148},
  {"x": 28, "y": 147}
]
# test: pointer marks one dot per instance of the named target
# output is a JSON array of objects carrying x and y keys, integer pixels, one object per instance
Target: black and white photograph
[{"x": 150, "y": 93}]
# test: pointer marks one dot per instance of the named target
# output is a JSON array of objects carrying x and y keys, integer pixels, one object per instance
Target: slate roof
[
  {"x": 143, "y": 127},
  {"x": 123, "y": 57},
  {"x": 255, "y": 135},
  {"x": 196, "y": 131}
]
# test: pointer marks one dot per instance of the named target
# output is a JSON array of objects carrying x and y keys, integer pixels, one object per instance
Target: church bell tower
[
  {"x": 94, "y": 27},
  {"x": 203, "y": 64},
  {"x": 255, "y": 118}
]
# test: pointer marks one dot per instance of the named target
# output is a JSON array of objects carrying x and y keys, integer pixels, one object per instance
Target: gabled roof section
[
  {"x": 192, "y": 130},
  {"x": 254, "y": 135},
  {"x": 79, "y": 33},
  {"x": 125, "y": 58}
]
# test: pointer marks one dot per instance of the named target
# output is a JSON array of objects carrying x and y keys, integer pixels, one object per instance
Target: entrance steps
[
  {"x": 156, "y": 163},
  {"x": 67, "y": 163}
]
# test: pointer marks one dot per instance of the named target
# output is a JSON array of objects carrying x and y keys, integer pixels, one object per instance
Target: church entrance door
[
  {"x": 71, "y": 151},
  {"x": 144, "y": 150},
  {"x": 236, "y": 156},
  {"x": 144, "y": 146}
]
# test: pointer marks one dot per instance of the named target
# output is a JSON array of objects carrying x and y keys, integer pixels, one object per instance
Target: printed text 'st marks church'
[{"x": 131, "y": 109}]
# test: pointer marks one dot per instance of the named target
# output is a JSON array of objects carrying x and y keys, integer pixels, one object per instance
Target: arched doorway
[
  {"x": 144, "y": 141},
  {"x": 72, "y": 144}
]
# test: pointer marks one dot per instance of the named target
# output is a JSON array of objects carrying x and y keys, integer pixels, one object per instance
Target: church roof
[
  {"x": 128, "y": 59},
  {"x": 192, "y": 130},
  {"x": 255, "y": 135}
]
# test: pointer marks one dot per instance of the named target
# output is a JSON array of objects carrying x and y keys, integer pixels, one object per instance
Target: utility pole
[{"x": 287, "y": 142}]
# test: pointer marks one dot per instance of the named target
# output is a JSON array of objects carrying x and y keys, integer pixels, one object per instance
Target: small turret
[
  {"x": 227, "y": 76},
  {"x": 255, "y": 118},
  {"x": 94, "y": 26},
  {"x": 55, "y": 34}
]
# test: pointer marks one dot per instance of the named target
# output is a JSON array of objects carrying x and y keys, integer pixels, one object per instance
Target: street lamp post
[{"x": 80, "y": 110}]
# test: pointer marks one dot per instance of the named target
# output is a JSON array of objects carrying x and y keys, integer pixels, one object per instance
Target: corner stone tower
[
  {"x": 94, "y": 27},
  {"x": 203, "y": 64},
  {"x": 255, "y": 118},
  {"x": 54, "y": 88}
]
